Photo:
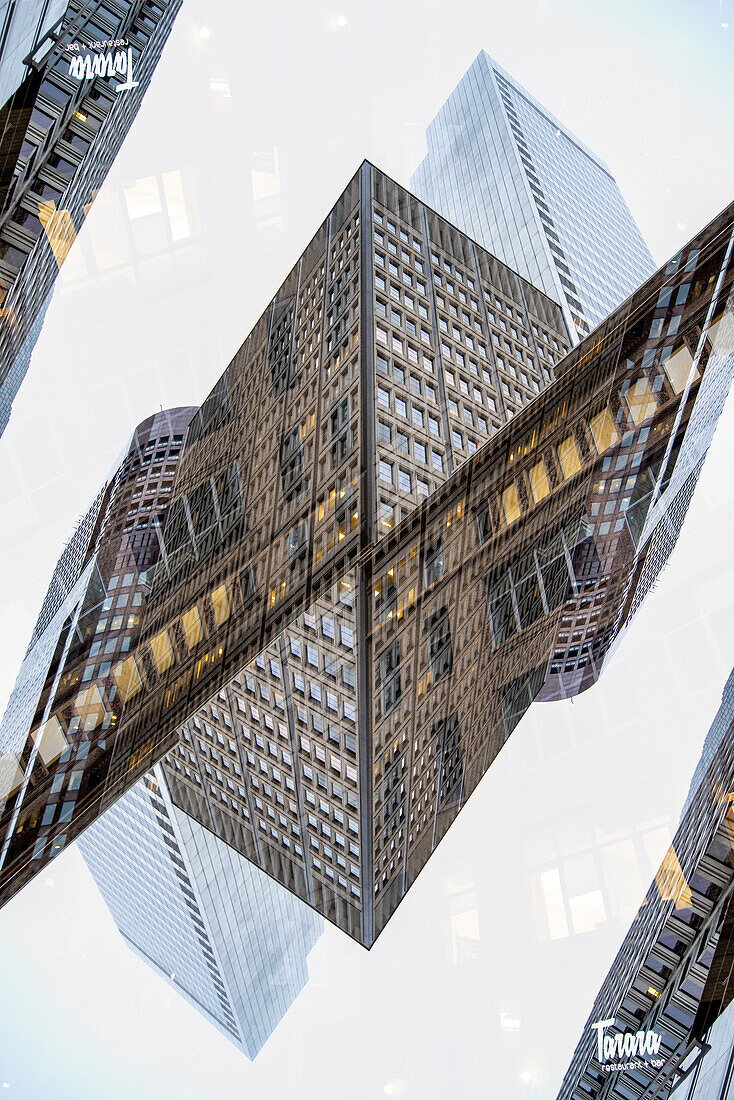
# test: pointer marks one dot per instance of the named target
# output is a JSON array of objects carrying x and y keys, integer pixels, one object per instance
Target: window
[
  {"x": 511, "y": 504},
  {"x": 419, "y": 451},
  {"x": 418, "y": 417},
  {"x": 538, "y": 477},
  {"x": 640, "y": 400},
  {"x": 404, "y": 481},
  {"x": 437, "y": 460},
  {"x": 603, "y": 430},
  {"x": 569, "y": 457},
  {"x": 327, "y": 627},
  {"x": 384, "y": 432},
  {"x": 678, "y": 368},
  {"x": 386, "y": 472}
]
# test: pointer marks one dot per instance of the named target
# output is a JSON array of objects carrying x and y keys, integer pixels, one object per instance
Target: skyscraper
[
  {"x": 400, "y": 516},
  {"x": 22, "y": 27},
  {"x": 368, "y": 652},
  {"x": 72, "y": 100},
  {"x": 232, "y": 941},
  {"x": 58, "y": 730},
  {"x": 671, "y": 979},
  {"x": 508, "y": 173}
]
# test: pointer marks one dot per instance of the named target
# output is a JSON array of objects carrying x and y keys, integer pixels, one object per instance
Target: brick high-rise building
[
  {"x": 401, "y": 515},
  {"x": 60, "y": 725}
]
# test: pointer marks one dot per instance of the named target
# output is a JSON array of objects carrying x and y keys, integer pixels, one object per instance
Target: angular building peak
[{"x": 516, "y": 179}]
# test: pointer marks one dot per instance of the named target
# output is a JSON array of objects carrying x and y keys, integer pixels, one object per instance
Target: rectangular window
[
  {"x": 569, "y": 457},
  {"x": 191, "y": 622},
  {"x": 162, "y": 651},
  {"x": 640, "y": 400},
  {"x": 538, "y": 478},
  {"x": 511, "y": 504},
  {"x": 603, "y": 430}
]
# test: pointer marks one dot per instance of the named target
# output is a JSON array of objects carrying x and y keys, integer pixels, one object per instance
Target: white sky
[{"x": 148, "y": 311}]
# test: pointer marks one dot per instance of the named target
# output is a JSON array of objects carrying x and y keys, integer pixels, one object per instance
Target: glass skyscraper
[
  {"x": 231, "y": 940},
  {"x": 508, "y": 173}
]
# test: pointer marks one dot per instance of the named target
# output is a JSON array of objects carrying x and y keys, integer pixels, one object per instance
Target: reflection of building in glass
[
  {"x": 59, "y": 728},
  {"x": 231, "y": 940},
  {"x": 22, "y": 27},
  {"x": 672, "y": 975},
  {"x": 513, "y": 177},
  {"x": 60, "y": 133},
  {"x": 393, "y": 528}
]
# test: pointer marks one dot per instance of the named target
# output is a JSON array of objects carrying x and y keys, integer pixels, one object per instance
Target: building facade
[
  {"x": 507, "y": 172},
  {"x": 400, "y": 516},
  {"x": 672, "y": 976},
  {"x": 341, "y": 635},
  {"x": 22, "y": 27},
  {"x": 57, "y": 734},
  {"x": 62, "y": 126},
  {"x": 230, "y": 940}
]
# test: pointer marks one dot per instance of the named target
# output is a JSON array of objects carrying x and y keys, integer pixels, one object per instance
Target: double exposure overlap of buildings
[
  {"x": 405, "y": 511},
  {"x": 308, "y": 615},
  {"x": 672, "y": 975},
  {"x": 69, "y": 98}
]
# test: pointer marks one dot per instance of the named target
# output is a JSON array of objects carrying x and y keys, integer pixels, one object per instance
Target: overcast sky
[{"x": 212, "y": 198}]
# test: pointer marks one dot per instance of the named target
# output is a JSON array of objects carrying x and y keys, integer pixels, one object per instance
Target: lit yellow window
[
  {"x": 511, "y": 504},
  {"x": 678, "y": 368},
  {"x": 128, "y": 679},
  {"x": 603, "y": 430},
  {"x": 569, "y": 456},
  {"x": 191, "y": 622},
  {"x": 50, "y": 740},
  {"x": 538, "y": 481},
  {"x": 162, "y": 651},
  {"x": 640, "y": 400},
  {"x": 220, "y": 603},
  {"x": 11, "y": 776}
]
